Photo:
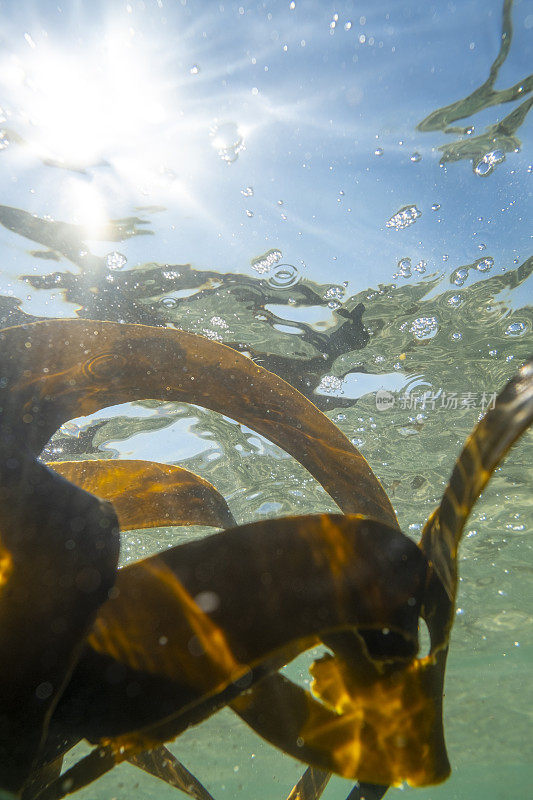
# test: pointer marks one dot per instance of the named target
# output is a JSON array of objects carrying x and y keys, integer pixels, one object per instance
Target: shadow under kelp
[{"x": 487, "y": 149}]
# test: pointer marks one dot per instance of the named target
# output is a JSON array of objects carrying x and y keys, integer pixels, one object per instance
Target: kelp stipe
[{"x": 354, "y": 582}]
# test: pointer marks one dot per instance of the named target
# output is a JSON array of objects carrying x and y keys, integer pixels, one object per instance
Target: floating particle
[
  {"x": 263, "y": 263},
  {"x": 424, "y": 328},
  {"x": 227, "y": 140},
  {"x": 284, "y": 276},
  {"x": 406, "y": 216},
  {"x": 115, "y": 260},
  {"x": 330, "y": 384},
  {"x": 516, "y": 329},
  {"x": 485, "y": 166}
]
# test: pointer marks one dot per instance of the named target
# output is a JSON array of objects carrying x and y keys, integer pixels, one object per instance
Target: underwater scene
[{"x": 266, "y": 267}]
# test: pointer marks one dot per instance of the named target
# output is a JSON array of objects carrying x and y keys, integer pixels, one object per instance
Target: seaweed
[{"x": 128, "y": 659}]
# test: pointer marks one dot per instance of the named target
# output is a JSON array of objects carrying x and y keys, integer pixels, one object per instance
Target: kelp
[
  {"x": 165, "y": 642},
  {"x": 499, "y": 135}
]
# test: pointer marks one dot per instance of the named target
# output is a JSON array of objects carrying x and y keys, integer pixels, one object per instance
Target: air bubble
[
  {"x": 424, "y": 328},
  {"x": 284, "y": 276},
  {"x": 455, "y": 301},
  {"x": 459, "y": 276},
  {"x": 169, "y": 302},
  {"x": 248, "y": 192},
  {"x": 227, "y": 140},
  {"x": 115, "y": 260},
  {"x": 516, "y": 329},
  {"x": 435, "y": 206},
  {"x": 249, "y": 213},
  {"x": 263, "y": 263},
  {"x": 485, "y": 166},
  {"x": 335, "y": 295},
  {"x": 415, "y": 158},
  {"x": 404, "y": 268},
  {"x": 406, "y": 216},
  {"x": 330, "y": 384},
  {"x": 378, "y": 151},
  {"x": 195, "y": 69},
  {"x": 484, "y": 264}
]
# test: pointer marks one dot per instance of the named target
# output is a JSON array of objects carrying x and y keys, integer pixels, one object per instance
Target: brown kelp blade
[
  {"x": 311, "y": 785},
  {"x": 162, "y": 764},
  {"x": 146, "y": 494},
  {"x": 395, "y": 714},
  {"x": 484, "y": 449},
  {"x": 267, "y": 590},
  {"x": 60, "y": 369},
  {"x": 58, "y": 555}
]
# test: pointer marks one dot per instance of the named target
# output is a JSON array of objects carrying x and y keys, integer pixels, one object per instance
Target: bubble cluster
[
  {"x": 335, "y": 295},
  {"x": 424, "y": 328},
  {"x": 459, "y": 275},
  {"x": 404, "y": 268},
  {"x": 406, "y": 216},
  {"x": 115, "y": 260},
  {"x": 263, "y": 263},
  {"x": 227, "y": 140},
  {"x": 330, "y": 384},
  {"x": 489, "y": 161}
]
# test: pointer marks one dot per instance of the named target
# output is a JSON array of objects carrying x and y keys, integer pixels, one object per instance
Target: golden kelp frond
[
  {"x": 162, "y": 764},
  {"x": 60, "y": 369},
  {"x": 146, "y": 494},
  {"x": 311, "y": 785},
  {"x": 62, "y": 547},
  {"x": 482, "y": 452},
  {"x": 185, "y": 624}
]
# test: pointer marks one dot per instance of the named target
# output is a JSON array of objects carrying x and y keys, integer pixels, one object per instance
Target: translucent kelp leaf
[
  {"x": 60, "y": 369},
  {"x": 149, "y": 495}
]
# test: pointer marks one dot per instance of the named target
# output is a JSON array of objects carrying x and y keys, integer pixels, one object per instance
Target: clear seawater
[{"x": 254, "y": 172}]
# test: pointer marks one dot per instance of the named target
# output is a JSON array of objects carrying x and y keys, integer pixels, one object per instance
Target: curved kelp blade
[
  {"x": 484, "y": 449},
  {"x": 189, "y": 629},
  {"x": 162, "y": 764},
  {"x": 58, "y": 556},
  {"x": 146, "y": 494},
  {"x": 60, "y": 369}
]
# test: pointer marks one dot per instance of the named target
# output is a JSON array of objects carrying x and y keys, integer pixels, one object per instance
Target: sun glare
[{"x": 81, "y": 106}]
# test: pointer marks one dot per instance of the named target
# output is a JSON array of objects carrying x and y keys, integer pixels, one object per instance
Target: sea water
[{"x": 340, "y": 190}]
